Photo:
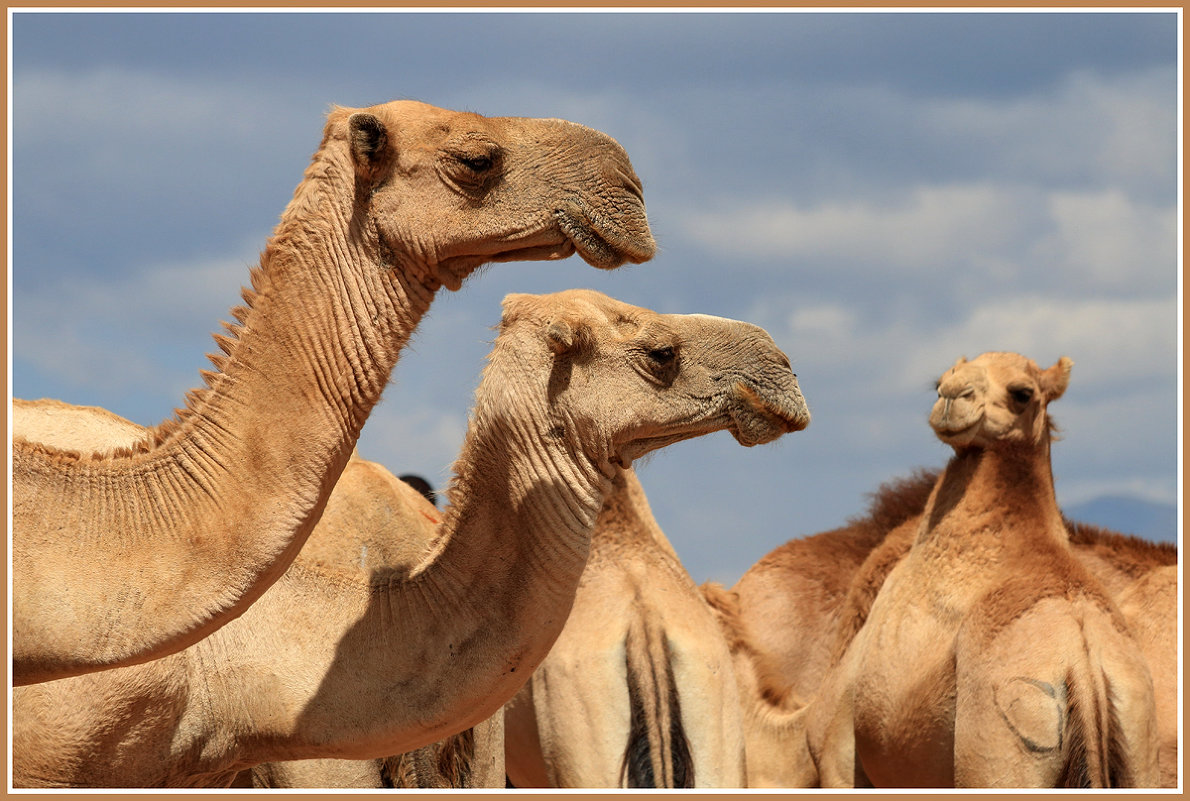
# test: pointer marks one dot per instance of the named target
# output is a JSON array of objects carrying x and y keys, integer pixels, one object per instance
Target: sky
[{"x": 883, "y": 192}]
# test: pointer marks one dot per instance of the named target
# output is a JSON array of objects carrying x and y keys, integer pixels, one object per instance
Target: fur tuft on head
[{"x": 564, "y": 333}]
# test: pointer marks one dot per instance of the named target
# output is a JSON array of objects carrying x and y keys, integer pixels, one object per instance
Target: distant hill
[{"x": 1147, "y": 519}]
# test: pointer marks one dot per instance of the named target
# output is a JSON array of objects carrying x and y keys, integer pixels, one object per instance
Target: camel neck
[
  {"x": 325, "y": 324},
  {"x": 994, "y": 501},
  {"x": 475, "y": 618},
  {"x": 221, "y": 499},
  {"x": 524, "y": 498}
]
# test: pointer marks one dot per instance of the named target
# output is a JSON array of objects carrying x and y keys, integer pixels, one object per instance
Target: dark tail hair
[
  {"x": 658, "y": 753},
  {"x": 1095, "y": 755}
]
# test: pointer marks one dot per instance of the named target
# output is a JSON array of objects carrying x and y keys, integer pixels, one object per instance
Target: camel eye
[
  {"x": 476, "y": 163},
  {"x": 662, "y": 356},
  {"x": 1021, "y": 395}
]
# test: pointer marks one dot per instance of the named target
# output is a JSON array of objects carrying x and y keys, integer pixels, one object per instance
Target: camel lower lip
[
  {"x": 955, "y": 433},
  {"x": 595, "y": 248}
]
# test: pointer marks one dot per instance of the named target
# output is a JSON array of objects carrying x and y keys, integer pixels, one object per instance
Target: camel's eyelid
[
  {"x": 1021, "y": 394},
  {"x": 478, "y": 157},
  {"x": 665, "y": 354}
]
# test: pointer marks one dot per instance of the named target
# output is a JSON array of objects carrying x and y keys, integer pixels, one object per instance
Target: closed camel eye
[
  {"x": 662, "y": 356},
  {"x": 476, "y": 163}
]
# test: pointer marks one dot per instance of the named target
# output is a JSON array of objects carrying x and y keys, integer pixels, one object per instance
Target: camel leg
[{"x": 830, "y": 728}]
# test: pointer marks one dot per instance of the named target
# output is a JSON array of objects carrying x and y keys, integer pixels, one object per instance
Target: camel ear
[
  {"x": 369, "y": 142},
  {"x": 571, "y": 336},
  {"x": 1055, "y": 379},
  {"x": 561, "y": 336}
]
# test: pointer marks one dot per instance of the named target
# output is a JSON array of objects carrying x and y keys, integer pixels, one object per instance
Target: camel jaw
[{"x": 573, "y": 232}]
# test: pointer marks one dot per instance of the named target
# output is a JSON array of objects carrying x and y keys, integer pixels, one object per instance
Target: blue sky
[{"x": 883, "y": 192}]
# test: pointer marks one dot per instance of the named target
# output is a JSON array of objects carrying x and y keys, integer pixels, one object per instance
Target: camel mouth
[
  {"x": 956, "y": 434},
  {"x": 756, "y": 421},
  {"x": 553, "y": 252},
  {"x": 603, "y": 243},
  {"x": 452, "y": 272}
]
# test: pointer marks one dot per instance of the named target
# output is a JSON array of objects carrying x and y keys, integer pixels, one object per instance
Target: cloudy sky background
[{"x": 882, "y": 192}]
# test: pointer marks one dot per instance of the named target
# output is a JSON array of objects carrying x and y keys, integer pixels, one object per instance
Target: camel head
[
  {"x": 997, "y": 398},
  {"x": 447, "y": 191},
  {"x": 622, "y": 381}
]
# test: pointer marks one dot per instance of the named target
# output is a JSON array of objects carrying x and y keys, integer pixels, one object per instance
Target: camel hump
[
  {"x": 658, "y": 752},
  {"x": 64, "y": 426}
]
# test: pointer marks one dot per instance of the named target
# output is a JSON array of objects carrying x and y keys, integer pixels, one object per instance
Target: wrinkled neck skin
[
  {"x": 420, "y": 658},
  {"x": 220, "y": 503},
  {"x": 992, "y": 503}
]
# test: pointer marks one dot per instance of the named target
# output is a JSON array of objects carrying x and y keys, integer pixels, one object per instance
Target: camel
[
  {"x": 364, "y": 506},
  {"x": 400, "y": 200},
  {"x": 790, "y": 604},
  {"x": 990, "y": 657},
  {"x": 357, "y": 663},
  {"x": 638, "y": 689},
  {"x": 793, "y": 614}
]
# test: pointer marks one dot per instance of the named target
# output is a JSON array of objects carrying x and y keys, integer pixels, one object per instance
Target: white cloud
[
  {"x": 153, "y": 108},
  {"x": 931, "y": 228},
  {"x": 1110, "y": 241},
  {"x": 1108, "y": 129},
  {"x": 1111, "y": 341},
  {"x": 994, "y": 239}
]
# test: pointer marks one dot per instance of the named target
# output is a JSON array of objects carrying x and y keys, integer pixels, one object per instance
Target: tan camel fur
[
  {"x": 792, "y": 615},
  {"x": 353, "y": 663},
  {"x": 399, "y": 200},
  {"x": 471, "y": 759},
  {"x": 1140, "y": 576},
  {"x": 365, "y": 506},
  {"x": 795, "y": 581},
  {"x": 638, "y": 690},
  {"x": 791, "y": 602},
  {"x": 991, "y": 657},
  {"x": 1150, "y": 605},
  {"x": 780, "y": 620}
]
